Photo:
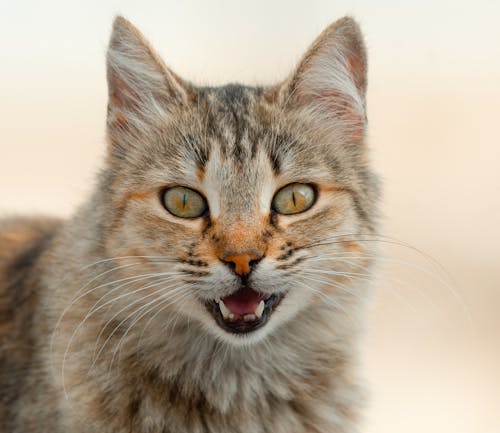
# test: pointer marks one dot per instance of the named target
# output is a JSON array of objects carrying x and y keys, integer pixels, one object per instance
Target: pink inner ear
[
  {"x": 337, "y": 105},
  {"x": 356, "y": 65},
  {"x": 121, "y": 97},
  {"x": 123, "y": 103}
]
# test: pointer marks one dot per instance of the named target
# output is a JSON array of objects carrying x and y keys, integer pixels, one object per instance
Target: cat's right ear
[{"x": 142, "y": 90}]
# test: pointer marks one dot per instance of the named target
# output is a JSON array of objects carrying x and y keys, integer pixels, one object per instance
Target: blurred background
[{"x": 432, "y": 352}]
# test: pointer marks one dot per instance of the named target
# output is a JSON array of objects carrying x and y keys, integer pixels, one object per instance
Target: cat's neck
[{"x": 297, "y": 359}]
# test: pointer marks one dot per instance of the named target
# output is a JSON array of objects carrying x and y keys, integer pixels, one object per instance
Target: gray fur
[{"x": 73, "y": 357}]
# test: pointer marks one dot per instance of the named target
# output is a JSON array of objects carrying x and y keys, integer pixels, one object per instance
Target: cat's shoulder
[
  {"x": 22, "y": 241},
  {"x": 22, "y": 238},
  {"x": 22, "y": 244}
]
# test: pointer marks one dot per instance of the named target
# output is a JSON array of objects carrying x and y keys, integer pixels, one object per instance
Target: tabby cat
[{"x": 216, "y": 279}]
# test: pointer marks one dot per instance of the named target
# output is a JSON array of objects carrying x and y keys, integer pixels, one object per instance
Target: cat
[{"x": 216, "y": 279}]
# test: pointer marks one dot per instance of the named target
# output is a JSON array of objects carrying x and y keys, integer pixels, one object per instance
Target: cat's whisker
[
  {"x": 343, "y": 261},
  {"x": 322, "y": 295},
  {"x": 336, "y": 284},
  {"x": 130, "y": 280},
  {"x": 371, "y": 237},
  {"x": 424, "y": 271},
  {"x": 332, "y": 257},
  {"x": 159, "y": 311},
  {"x": 155, "y": 302},
  {"x": 401, "y": 298},
  {"x": 400, "y": 283},
  {"x": 142, "y": 288},
  {"x": 111, "y": 259},
  {"x": 324, "y": 275},
  {"x": 77, "y": 329},
  {"x": 381, "y": 258},
  {"x": 342, "y": 255},
  {"x": 173, "y": 321},
  {"x": 119, "y": 325},
  {"x": 114, "y": 269},
  {"x": 136, "y": 277},
  {"x": 445, "y": 280},
  {"x": 124, "y": 320},
  {"x": 167, "y": 276},
  {"x": 342, "y": 273},
  {"x": 346, "y": 255},
  {"x": 183, "y": 294},
  {"x": 78, "y": 296},
  {"x": 94, "y": 307}
]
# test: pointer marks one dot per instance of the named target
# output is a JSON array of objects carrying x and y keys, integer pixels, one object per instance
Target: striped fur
[{"x": 102, "y": 320}]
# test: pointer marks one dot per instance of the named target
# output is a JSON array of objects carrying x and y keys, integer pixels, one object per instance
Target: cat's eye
[
  {"x": 184, "y": 202},
  {"x": 294, "y": 198}
]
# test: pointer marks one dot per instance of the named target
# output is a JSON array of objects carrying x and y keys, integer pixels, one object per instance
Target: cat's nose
[{"x": 242, "y": 263}]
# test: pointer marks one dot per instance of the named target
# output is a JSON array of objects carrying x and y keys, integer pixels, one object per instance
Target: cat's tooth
[
  {"x": 259, "y": 310},
  {"x": 224, "y": 310},
  {"x": 249, "y": 317}
]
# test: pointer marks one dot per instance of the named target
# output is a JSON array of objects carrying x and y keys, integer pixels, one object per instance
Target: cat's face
[{"x": 250, "y": 201}]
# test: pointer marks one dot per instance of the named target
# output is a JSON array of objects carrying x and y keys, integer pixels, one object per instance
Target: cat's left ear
[
  {"x": 142, "y": 90},
  {"x": 330, "y": 80}
]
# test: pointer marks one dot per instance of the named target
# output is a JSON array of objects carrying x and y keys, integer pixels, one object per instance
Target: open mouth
[{"x": 244, "y": 311}]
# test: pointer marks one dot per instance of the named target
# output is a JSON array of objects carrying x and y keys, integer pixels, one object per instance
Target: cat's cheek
[
  {"x": 191, "y": 312},
  {"x": 296, "y": 300}
]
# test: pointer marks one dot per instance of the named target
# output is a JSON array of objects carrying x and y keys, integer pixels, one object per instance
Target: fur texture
[{"x": 103, "y": 325}]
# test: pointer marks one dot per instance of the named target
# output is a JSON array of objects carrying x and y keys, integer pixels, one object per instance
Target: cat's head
[{"x": 250, "y": 203}]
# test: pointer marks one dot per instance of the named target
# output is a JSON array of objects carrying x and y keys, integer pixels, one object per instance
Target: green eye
[
  {"x": 184, "y": 202},
  {"x": 294, "y": 198}
]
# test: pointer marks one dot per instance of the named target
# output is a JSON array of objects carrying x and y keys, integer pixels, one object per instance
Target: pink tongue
[{"x": 244, "y": 301}]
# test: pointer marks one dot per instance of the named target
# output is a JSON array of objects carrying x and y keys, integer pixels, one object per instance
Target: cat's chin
[{"x": 245, "y": 311}]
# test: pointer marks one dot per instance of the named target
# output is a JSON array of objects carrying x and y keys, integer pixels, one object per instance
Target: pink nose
[{"x": 241, "y": 262}]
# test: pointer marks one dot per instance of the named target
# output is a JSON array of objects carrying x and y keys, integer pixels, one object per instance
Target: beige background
[{"x": 432, "y": 355}]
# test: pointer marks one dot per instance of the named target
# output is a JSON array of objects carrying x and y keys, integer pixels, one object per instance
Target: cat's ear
[
  {"x": 331, "y": 77},
  {"x": 142, "y": 90}
]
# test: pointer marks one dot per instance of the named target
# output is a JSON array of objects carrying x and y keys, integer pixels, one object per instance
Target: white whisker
[
  {"x": 81, "y": 323},
  {"x": 166, "y": 297},
  {"x": 160, "y": 282}
]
